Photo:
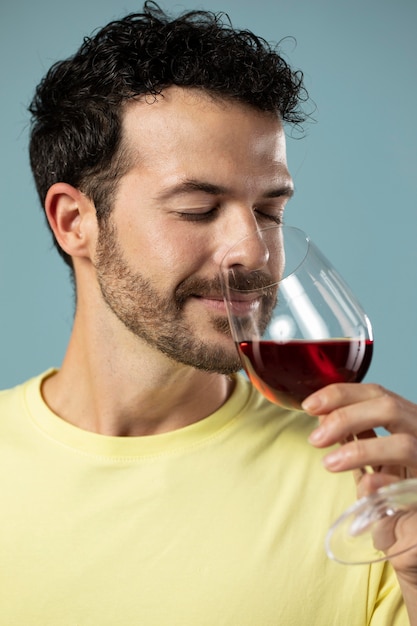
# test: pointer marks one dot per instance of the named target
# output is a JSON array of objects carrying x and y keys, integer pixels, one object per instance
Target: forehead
[{"x": 189, "y": 124}]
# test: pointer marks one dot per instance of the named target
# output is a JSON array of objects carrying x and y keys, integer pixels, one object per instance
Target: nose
[
  {"x": 249, "y": 252},
  {"x": 240, "y": 240}
]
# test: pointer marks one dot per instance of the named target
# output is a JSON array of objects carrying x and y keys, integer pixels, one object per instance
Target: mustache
[
  {"x": 251, "y": 281},
  {"x": 239, "y": 281}
]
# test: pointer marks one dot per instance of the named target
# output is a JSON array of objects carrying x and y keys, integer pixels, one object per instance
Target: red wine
[{"x": 286, "y": 373}]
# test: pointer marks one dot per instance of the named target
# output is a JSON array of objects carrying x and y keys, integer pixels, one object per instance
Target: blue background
[{"x": 355, "y": 171}]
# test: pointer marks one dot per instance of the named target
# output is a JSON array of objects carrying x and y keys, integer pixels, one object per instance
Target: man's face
[{"x": 205, "y": 174}]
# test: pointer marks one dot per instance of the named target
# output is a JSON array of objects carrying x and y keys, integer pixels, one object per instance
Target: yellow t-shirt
[{"x": 220, "y": 523}]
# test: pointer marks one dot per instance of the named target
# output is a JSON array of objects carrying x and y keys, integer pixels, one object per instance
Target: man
[{"x": 146, "y": 482}]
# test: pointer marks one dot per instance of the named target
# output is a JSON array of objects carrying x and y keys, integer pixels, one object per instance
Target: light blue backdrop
[{"x": 355, "y": 172}]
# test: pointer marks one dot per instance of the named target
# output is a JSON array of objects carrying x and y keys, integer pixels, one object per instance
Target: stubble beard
[{"x": 158, "y": 320}]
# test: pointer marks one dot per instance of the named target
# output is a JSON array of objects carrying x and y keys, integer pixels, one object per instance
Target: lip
[
  {"x": 240, "y": 305},
  {"x": 243, "y": 306},
  {"x": 215, "y": 302}
]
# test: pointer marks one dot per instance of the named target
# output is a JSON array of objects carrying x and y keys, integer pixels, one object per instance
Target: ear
[{"x": 72, "y": 218}]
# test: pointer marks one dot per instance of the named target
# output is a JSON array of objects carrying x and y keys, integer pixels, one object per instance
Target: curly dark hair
[{"x": 77, "y": 107}]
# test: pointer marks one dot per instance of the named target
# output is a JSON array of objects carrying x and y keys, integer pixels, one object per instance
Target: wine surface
[{"x": 286, "y": 373}]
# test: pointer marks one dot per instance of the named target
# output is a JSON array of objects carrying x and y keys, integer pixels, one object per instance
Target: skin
[
  {"x": 346, "y": 409},
  {"x": 170, "y": 236}
]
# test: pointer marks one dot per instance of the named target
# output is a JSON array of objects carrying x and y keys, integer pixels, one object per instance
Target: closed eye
[
  {"x": 199, "y": 216},
  {"x": 273, "y": 217}
]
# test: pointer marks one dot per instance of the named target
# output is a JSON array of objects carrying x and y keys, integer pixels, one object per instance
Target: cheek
[
  {"x": 167, "y": 257},
  {"x": 180, "y": 258}
]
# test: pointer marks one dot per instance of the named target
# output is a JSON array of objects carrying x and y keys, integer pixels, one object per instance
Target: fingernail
[
  {"x": 316, "y": 436},
  {"x": 333, "y": 460},
  {"x": 311, "y": 404}
]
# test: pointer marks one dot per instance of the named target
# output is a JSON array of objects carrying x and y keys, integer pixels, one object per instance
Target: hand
[
  {"x": 357, "y": 409},
  {"x": 344, "y": 410}
]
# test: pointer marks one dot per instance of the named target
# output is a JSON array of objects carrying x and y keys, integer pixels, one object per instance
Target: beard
[{"x": 157, "y": 319}]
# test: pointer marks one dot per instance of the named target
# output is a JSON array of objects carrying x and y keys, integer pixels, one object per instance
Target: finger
[
  {"x": 395, "y": 415},
  {"x": 368, "y": 434},
  {"x": 336, "y": 395},
  {"x": 396, "y": 450},
  {"x": 343, "y": 424}
]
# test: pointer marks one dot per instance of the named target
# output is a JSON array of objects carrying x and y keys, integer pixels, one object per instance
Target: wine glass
[{"x": 298, "y": 327}]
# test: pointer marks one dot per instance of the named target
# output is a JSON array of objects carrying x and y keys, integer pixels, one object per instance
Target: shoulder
[
  {"x": 16, "y": 400},
  {"x": 256, "y": 407}
]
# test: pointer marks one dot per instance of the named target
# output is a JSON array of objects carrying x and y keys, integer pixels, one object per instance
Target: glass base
[{"x": 370, "y": 530}]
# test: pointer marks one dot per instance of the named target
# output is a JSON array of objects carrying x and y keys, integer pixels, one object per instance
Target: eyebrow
[
  {"x": 287, "y": 189},
  {"x": 190, "y": 186}
]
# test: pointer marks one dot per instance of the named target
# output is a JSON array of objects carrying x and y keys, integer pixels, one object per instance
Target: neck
[{"x": 126, "y": 388}]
